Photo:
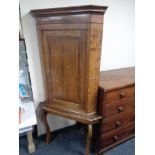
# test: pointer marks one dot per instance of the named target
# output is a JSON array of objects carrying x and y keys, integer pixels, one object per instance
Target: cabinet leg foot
[
  {"x": 88, "y": 139},
  {"x": 48, "y": 132}
]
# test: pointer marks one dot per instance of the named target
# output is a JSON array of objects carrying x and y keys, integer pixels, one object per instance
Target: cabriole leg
[
  {"x": 48, "y": 132},
  {"x": 88, "y": 140}
]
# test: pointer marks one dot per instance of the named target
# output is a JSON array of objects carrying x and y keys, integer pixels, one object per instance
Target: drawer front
[
  {"x": 117, "y": 135},
  {"x": 118, "y": 121},
  {"x": 118, "y": 108},
  {"x": 120, "y": 94}
]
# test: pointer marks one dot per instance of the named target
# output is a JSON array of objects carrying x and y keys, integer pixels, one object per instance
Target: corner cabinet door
[{"x": 65, "y": 54}]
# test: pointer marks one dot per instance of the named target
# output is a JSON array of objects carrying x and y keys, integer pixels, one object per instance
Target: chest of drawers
[{"x": 116, "y": 104}]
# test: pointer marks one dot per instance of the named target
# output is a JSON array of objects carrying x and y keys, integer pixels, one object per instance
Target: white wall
[
  {"x": 117, "y": 47},
  {"x": 118, "y": 35}
]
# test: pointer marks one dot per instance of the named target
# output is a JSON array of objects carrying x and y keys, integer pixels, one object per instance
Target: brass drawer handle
[
  {"x": 122, "y": 94},
  {"x": 120, "y": 109},
  {"x": 118, "y": 124},
  {"x": 116, "y": 138}
]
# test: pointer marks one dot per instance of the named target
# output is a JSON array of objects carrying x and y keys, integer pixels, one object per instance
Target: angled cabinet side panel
[{"x": 94, "y": 43}]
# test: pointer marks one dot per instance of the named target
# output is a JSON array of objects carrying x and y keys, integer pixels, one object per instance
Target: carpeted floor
[{"x": 71, "y": 142}]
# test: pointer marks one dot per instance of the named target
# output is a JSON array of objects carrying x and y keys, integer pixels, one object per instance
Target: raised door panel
[{"x": 65, "y": 66}]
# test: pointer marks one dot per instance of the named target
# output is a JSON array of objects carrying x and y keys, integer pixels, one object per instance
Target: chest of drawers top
[{"x": 116, "y": 79}]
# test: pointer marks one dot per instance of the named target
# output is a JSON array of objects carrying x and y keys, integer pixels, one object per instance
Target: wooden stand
[
  {"x": 88, "y": 121},
  {"x": 70, "y": 48}
]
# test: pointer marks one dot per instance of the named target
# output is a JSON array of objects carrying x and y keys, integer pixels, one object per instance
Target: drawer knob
[
  {"x": 118, "y": 124},
  {"x": 122, "y": 94},
  {"x": 120, "y": 109},
  {"x": 116, "y": 138}
]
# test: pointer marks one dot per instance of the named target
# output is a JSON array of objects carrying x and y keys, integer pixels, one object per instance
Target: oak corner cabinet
[
  {"x": 116, "y": 102},
  {"x": 70, "y": 41}
]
